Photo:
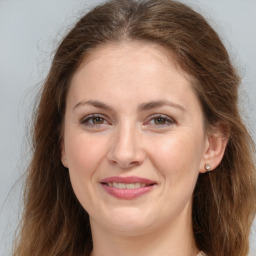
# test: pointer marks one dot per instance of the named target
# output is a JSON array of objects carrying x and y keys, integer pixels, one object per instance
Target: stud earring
[{"x": 207, "y": 167}]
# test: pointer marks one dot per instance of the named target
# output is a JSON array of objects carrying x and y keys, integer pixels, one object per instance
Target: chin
[{"x": 128, "y": 221}]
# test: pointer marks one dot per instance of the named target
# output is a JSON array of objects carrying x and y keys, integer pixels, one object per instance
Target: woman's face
[{"x": 134, "y": 140}]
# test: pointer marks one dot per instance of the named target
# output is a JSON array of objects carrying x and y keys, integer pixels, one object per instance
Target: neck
[{"x": 175, "y": 239}]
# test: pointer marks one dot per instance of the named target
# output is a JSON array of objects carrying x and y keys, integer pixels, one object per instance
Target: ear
[
  {"x": 215, "y": 145},
  {"x": 63, "y": 155}
]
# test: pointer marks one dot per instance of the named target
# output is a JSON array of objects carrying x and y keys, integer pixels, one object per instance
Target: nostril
[
  {"x": 124, "y": 163},
  {"x": 113, "y": 162}
]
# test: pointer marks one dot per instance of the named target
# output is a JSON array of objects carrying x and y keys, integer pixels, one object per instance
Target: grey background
[{"x": 30, "y": 31}]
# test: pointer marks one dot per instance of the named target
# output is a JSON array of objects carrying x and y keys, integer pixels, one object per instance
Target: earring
[{"x": 207, "y": 167}]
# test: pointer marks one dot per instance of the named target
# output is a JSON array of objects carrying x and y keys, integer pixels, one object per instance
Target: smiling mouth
[
  {"x": 127, "y": 185},
  {"x": 127, "y": 188}
]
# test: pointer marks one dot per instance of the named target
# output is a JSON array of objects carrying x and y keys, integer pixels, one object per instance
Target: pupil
[
  {"x": 160, "y": 121},
  {"x": 97, "y": 120}
]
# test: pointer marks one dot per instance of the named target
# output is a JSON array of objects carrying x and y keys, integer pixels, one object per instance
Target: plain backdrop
[{"x": 29, "y": 33}]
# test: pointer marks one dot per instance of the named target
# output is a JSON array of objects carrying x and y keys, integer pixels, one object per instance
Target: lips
[{"x": 127, "y": 187}]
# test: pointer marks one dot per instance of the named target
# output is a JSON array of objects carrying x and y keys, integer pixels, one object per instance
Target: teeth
[
  {"x": 127, "y": 185},
  {"x": 130, "y": 186},
  {"x": 138, "y": 185}
]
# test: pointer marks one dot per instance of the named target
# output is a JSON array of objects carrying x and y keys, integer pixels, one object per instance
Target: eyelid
[
  {"x": 167, "y": 118},
  {"x": 169, "y": 121},
  {"x": 86, "y": 118}
]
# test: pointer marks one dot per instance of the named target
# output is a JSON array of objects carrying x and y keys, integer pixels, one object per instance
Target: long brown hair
[{"x": 224, "y": 205}]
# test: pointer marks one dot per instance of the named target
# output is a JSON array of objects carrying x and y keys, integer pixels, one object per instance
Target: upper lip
[{"x": 127, "y": 180}]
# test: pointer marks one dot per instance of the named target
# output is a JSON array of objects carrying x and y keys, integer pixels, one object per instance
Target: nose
[{"x": 126, "y": 149}]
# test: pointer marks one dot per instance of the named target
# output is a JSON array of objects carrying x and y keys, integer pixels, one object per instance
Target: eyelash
[
  {"x": 167, "y": 120},
  {"x": 88, "y": 121},
  {"x": 90, "y": 118}
]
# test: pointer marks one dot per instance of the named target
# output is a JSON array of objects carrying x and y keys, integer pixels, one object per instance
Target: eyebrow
[
  {"x": 95, "y": 103},
  {"x": 142, "y": 107},
  {"x": 159, "y": 103}
]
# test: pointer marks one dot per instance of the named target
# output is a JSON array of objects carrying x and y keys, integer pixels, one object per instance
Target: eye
[
  {"x": 94, "y": 120},
  {"x": 97, "y": 120},
  {"x": 160, "y": 121}
]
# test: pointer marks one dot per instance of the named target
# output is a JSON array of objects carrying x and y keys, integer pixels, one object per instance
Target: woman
[{"x": 139, "y": 148}]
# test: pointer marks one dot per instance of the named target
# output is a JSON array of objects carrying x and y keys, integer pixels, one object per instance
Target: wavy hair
[{"x": 224, "y": 203}]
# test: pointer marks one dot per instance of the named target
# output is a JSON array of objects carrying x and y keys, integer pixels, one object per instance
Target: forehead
[
  {"x": 137, "y": 50},
  {"x": 144, "y": 57},
  {"x": 134, "y": 70}
]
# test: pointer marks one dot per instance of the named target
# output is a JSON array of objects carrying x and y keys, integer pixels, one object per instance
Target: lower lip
[{"x": 127, "y": 194}]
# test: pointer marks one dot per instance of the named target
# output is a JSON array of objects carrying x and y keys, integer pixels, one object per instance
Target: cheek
[
  {"x": 178, "y": 156},
  {"x": 84, "y": 153}
]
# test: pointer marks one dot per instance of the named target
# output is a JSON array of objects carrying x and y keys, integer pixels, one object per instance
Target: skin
[{"x": 165, "y": 143}]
